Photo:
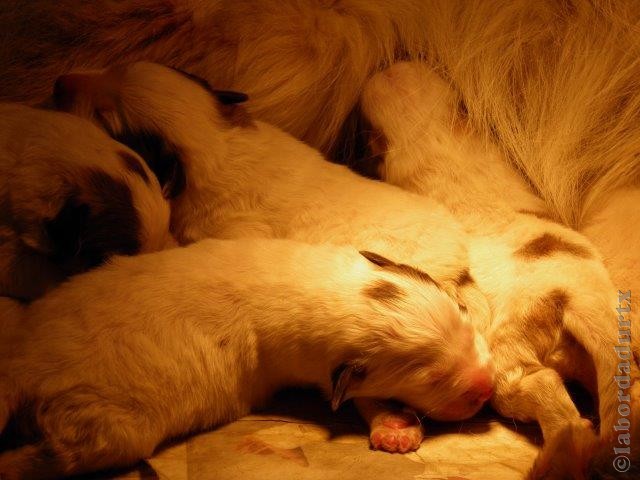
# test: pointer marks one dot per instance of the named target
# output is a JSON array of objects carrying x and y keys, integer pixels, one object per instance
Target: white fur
[
  {"x": 258, "y": 181},
  {"x": 432, "y": 152},
  {"x": 156, "y": 346},
  {"x": 46, "y": 159}
]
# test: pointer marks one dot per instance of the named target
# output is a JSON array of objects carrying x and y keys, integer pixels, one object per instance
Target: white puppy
[
  {"x": 247, "y": 178},
  {"x": 156, "y": 346},
  {"x": 553, "y": 302},
  {"x": 69, "y": 197}
]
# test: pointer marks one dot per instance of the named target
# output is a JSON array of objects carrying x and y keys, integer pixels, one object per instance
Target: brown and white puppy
[
  {"x": 156, "y": 346},
  {"x": 553, "y": 302},
  {"x": 70, "y": 196},
  {"x": 249, "y": 179}
]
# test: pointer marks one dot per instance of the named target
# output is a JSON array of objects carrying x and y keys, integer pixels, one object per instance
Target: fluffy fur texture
[
  {"x": 552, "y": 299},
  {"x": 156, "y": 346},
  {"x": 555, "y": 82},
  {"x": 70, "y": 196},
  {"x": 255, "y": 180},
  {"x": 558, "y": 84},
  {"x": 303, "y": 62}
]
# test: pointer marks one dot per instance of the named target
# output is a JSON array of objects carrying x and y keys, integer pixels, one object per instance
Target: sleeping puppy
[
  {"x": 249, "y": 179},
  {"x": 554, "y": 304},
  {"x": 70, "y": 196},
  {"x": 157, "y": 346}
]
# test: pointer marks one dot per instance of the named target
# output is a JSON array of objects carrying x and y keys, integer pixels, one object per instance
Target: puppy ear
[
  {"x": 161, "y": 157},
  {"x": 343, "y": 379},
  {"x": 229, "y": 97},
  {"x": 377, "y": 259}
]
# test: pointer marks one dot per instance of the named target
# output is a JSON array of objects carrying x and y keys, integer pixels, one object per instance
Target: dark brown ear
[
  {"x": 229, "y": 97},
  {"x": 377, "y": 259},
  {"x": 162, "y": 159},
  {"x": 343, "y": 379}
]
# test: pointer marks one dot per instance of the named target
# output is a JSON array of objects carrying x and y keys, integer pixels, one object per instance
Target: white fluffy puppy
[
  {"x": 247, "y": 178},
  {"x": 69, "y": 197},
  {"x": 199, "y": 335},
  {"x": 554, "y": 305}
]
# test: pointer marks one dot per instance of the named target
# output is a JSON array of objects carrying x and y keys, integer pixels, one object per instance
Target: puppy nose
[{"x": 66, "y": 88}]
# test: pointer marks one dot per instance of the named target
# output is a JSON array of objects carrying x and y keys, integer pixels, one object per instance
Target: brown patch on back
[
  {"x": 548, "y": 244},
  {"x": 383, "y": 291},
  {"x": 541, "y": 215},
  {"x": 132, "y": 164}
]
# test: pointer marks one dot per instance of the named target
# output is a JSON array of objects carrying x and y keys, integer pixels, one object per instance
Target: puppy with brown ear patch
[
  {"x": 554, "y": 304},
  {"x": 70, "y": 197},
  {"x": 250, "y": 179},
  {"x": 157, "y": 346}
]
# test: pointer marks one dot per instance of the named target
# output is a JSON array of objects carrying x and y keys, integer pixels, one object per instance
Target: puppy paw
[
  {"x": 568, "y": 454},
  {"x": 399, "y": 432}
]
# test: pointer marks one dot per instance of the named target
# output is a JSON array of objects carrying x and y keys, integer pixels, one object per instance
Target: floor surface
[{"x": 299, "y": 438}]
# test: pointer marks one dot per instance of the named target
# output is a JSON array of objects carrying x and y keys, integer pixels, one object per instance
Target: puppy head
[
  {"x": 423, "y": 350},
  {"x": 401, "y": 105},
  {"x": 161, "y": 113},
  {"x": 76, "y": 196}
]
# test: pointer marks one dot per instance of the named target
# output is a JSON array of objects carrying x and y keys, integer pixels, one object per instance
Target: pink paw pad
[{"x": 398, "y": 432}]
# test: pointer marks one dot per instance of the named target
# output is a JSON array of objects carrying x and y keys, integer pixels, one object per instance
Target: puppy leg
[
  {"x": 391, "y": 429},
  {"x": 83, "y": 431},
  {"x": 541, "y": 395}
]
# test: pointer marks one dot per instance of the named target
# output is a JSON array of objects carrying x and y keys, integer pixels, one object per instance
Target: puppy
[
  {"x": 70, "y": 196},
  {"x": 156, "y": 346},
  {"x": 246, "y": 178},
  {"x": 554, "y": 305}
]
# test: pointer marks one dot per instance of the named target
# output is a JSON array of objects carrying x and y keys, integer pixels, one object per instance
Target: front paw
[
  {"x": 399, "y": 432},
  {"x": 568, "y": 454}
]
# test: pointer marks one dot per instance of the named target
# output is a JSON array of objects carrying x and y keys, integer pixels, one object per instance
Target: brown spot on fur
[
  {"x": 464, "y": 278},
  {"x": 548, "y": 244},
  {"x": 132, "y": 164},
  {"x": 383, "y": 291},
  {"x": 541, "y": 215},
  {"x": 94, "y": 224}
]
